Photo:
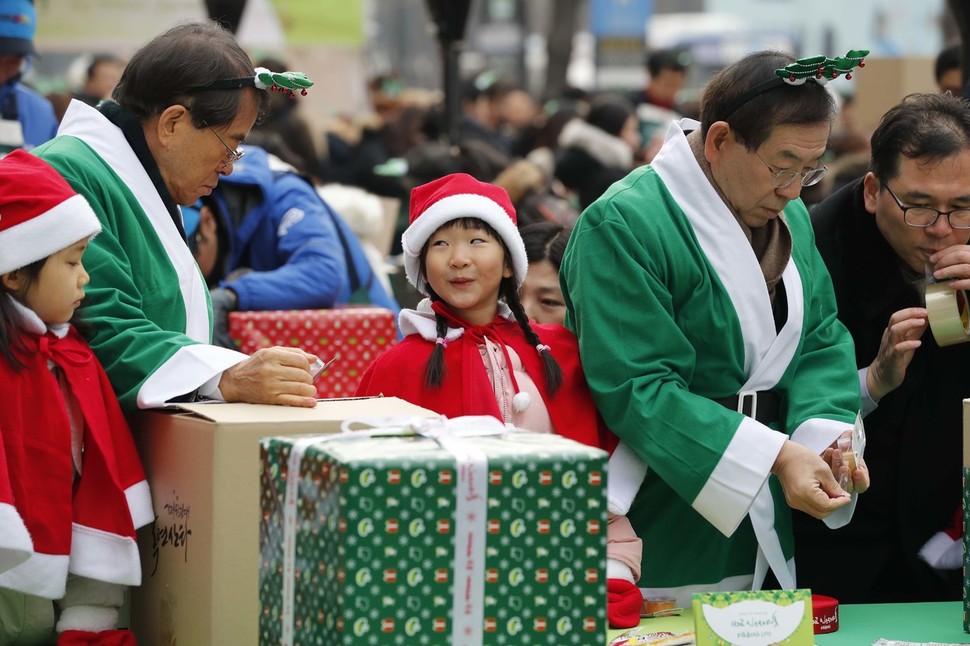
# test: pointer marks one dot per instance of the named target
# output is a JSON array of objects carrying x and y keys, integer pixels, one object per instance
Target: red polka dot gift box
[{"x": 355, "y": 336}]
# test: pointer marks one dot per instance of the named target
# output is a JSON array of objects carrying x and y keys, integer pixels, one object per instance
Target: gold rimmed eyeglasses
[
  {"x": 784, "y": 177},
  {"x": 233, "y": 155}
]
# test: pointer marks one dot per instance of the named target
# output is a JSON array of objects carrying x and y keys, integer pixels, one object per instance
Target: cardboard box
[
  {"x": 388, "y": 549},
  {"x": 200, "y": 558},
  {"x": 354, "y": 335},
  {"x": 883, "y": 83}
]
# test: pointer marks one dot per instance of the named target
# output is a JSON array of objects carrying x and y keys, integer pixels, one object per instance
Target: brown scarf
[{"x": 771, "y": 243}]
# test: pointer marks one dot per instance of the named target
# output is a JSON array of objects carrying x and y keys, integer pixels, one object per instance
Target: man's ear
[
  {"x": 719, "y": 135},
  {"x": 12, "y": 280},
  {"x": 171, "y": 122},
  {"x": 870, "y": 191}
]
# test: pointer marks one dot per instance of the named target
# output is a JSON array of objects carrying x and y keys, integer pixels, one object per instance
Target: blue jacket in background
[
  {"x": 303, "y": 255},
  {"x": 34, "y": 112}
]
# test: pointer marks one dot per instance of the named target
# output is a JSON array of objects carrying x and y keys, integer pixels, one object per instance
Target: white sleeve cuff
[
  {"x": 192, "y": 367},
  {"x": 738, "y": 477},
  {"x": 818, "y": 434},
  {"x": 868, "y": 403}
]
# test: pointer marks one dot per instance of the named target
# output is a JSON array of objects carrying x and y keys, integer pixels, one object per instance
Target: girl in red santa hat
[
  {"x": 72, "y": 489},
  {"x": 469, "y": 348}
]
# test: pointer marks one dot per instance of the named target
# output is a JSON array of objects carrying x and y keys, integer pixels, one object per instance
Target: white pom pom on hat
[
  {"x": 40, "y": 214},
  {"x": 453, "y": 197}
]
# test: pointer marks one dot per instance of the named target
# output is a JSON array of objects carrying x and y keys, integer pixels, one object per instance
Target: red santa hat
[
  {"x": 453, "y": 197},
  {"x": 40, "y": 214}
]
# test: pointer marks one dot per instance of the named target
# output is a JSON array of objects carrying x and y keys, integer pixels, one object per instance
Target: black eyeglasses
[
  {"x": 784, "y": 177},
  {"x": 232, "y": 155},
  {"x": 923, "y": 216}
]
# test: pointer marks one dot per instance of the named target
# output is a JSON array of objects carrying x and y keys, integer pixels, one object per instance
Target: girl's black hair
[
  {"x": 11, "y": 323},
  {"x": 434, "y": 372}
]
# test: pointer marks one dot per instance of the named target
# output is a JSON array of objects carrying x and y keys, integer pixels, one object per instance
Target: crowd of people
[{"x": 670, "y": 298}]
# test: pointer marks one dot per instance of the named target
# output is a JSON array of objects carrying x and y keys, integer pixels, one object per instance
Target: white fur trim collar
[
  {"x": 421, "y": 321},
  {"x": 601, "y": 145},
  {"x": 33, "y": 324}
]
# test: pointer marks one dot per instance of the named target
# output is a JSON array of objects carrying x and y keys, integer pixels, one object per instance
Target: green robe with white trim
[
  {"x": 671, "y": 310},
  {"x": 147, "y": 306}
]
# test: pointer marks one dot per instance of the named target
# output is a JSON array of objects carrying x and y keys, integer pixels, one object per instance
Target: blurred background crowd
[{"x": 552, "y": 99}]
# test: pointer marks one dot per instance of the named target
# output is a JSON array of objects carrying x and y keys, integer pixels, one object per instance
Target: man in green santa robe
[
  {"x": 185, "y": 102},
  {"x": 708, "y": 334}
]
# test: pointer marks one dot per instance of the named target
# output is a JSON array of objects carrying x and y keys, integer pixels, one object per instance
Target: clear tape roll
[{"x": 947, "y": 312}]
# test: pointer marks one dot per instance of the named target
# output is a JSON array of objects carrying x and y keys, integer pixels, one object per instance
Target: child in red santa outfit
[
  {"x": 469, "y": 348},
  {"x": 72, "y": 489}
]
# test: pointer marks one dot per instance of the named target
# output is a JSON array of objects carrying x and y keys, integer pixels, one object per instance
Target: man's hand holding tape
[
  {"x": 906, "y": 327},
  {"x": 952, "y": 264},
  {"x": 949, "y": 266}
]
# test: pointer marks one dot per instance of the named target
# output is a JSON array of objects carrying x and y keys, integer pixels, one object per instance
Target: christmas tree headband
[
  {"x": 819, "y": 69},
  {"x": 286, "y": 82}
]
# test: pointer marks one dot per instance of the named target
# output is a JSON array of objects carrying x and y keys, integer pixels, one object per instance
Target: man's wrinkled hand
[
  {"x": 807, "y": 481},
  {"x": 274, "y": 375},
  {"x": 899, "y": 341},
  {"x": 853, "y": 480},
  {"x": 953, "y": 264}
]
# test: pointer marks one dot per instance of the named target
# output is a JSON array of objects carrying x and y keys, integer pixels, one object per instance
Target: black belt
[{"x": 762, "y": 405}]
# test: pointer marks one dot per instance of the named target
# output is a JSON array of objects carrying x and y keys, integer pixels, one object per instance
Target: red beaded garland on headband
[
  {"x": 818, "y": 69},
  {"x": 285, "y": 82}
]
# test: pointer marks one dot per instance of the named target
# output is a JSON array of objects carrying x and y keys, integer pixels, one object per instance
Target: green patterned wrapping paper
[
  {"x": 966, "y": 549},
  {"x": 375, "y": 544}
]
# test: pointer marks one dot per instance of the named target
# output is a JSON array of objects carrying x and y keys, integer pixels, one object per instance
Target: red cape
[
  {"x": 37, "y": 472},
  {"x": 400, "y": 372}
]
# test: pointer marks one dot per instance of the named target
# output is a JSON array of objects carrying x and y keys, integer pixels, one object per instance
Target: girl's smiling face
[{"x": 464, "y": 264}]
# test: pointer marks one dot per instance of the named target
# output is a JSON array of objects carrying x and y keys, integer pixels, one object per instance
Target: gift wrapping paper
[
  {"x": 355, "y": 335},
  {"x": 966, "y": 549},
  {"x": 374, "y": 558}
]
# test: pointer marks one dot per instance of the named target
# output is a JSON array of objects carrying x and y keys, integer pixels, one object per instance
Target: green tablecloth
[{"x": 861, "y": 625}]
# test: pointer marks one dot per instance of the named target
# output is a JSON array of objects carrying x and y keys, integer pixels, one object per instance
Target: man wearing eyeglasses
[
  {"x": 185, "y": 102},
  {"x": 708, "y": 335},
  {"x": 882, "y": 236}
]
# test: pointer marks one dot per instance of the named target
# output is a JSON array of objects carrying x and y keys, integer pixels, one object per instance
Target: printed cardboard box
[
  {"x": 379, "y": 555},
  {"x": 354, "y": 335},
  {"x": 200, "y": 558}
]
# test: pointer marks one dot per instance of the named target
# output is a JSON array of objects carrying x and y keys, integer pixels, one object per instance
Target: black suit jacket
[{"x": 914, "y": 450}]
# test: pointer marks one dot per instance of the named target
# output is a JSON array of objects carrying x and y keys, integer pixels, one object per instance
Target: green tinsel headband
[
  {"x": 285, "y": 82},
  {"x": 819, "y": 69}
]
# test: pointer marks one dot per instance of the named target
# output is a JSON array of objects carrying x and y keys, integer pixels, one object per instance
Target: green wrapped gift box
[
  {"x": 458, "y": 538},
  {"x": 966, "y": 539},
  {"x": 966, "y": 515}
]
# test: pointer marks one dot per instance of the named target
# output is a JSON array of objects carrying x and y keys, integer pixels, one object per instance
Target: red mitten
[
  {"x": 102, "y": 638},
  {"x": 623, "y": 603}
]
